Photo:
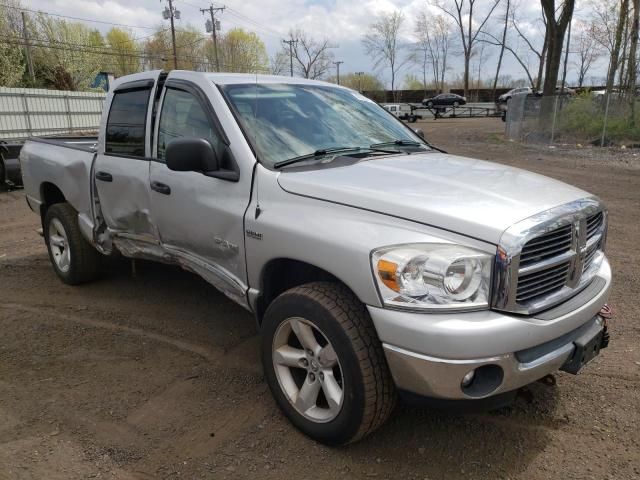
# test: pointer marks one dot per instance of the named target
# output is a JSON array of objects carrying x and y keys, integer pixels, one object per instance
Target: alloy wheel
[{"x": 308, "y": 370}]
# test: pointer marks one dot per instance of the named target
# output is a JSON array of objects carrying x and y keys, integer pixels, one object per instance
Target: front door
[{"x": 199, "y": 218}]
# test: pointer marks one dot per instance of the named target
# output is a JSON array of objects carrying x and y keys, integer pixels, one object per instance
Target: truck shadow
[
  {"x": 434, "y": 443},
  {"x": 415, "y": 442}
]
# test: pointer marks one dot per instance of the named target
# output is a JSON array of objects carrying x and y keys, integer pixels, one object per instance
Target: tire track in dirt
[{"x": 211, "y": 354}]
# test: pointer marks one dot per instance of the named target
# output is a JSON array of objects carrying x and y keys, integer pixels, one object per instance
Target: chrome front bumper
[{"x": 429, "y": 355}]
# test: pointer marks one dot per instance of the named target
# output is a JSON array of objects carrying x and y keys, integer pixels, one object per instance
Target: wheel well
[
  {"x": 282, "y": 274},
  {"x": 50, "y": 195}
]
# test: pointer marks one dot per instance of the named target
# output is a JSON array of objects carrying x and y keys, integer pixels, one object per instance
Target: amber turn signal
[{"x": 387, "y": 273}]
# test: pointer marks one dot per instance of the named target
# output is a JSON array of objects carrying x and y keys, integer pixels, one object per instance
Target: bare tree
[
  {"x": 279, "y": 63},
  {"x": 382, "y": 44},
  {"x": 555, "y": 33},
  {"x": 432, "y": 48},
  {"x": 603, "y": 22},
  {"x": 312, "y": 57},
  {"x": 522, "y": 59},
  {"x": 633, "y": 62},
  {"x": 539, "y": 52},
  {"x": 462, "y": 14},
  {"x": 502, "y": 44},
  {"x": 587, "y": 51},
  {"x": 617, "y": 42}
]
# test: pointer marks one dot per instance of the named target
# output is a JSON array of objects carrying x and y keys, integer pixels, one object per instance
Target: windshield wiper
[
  {"x": 407, "y": 143},
  {"x": 403, "y": 143},
  {"x": 328, "y": 151}
]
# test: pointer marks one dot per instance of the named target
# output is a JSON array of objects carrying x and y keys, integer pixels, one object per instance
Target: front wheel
[
  {"x": 324, "y": 363},
  {"x": 456, "y": 104},
  {"x": 74, "y": 260}
]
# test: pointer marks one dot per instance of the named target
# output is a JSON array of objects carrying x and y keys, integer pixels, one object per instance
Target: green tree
[
  {"x": 365, "y": 82},
  {"x": 70, "y": 54},
  {"x": 190, "y": 50},
  {"x": 12, "y": 66},
  {"x": 125, "y": 51},
  {"x": 242, "y": 52},
  {"x": 412, "y": 82}
]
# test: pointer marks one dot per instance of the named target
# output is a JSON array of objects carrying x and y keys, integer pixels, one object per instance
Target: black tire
[
  {"x": 3, "y": 180},
  {"x": 84, "y": 260},
  {"x": 413, "y": 119},
  {"x": 429, "y": 104},
  {"x": 369, "y": 391},
  {"x": 456, "y": 104}
]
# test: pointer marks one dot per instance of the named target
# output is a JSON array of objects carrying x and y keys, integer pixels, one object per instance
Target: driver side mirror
[
  {"x": 191, "y": 154},
  {"x": 419, "y": 132}
]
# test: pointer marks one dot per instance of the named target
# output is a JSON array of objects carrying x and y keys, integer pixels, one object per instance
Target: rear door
[
  {"x": 121, "y": 169},
  {"x": 200, "y": 218}
]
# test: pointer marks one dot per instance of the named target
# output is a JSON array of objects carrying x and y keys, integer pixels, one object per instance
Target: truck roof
[{"x": 223, "y": 78}]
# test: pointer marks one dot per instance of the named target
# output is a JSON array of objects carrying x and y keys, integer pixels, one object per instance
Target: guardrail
[{"x": 27, "y": 112}]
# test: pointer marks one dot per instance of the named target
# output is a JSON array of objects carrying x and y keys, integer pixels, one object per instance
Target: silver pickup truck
[{"x": 374, "y": 263}]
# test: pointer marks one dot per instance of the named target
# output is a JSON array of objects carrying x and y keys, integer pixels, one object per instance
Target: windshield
[{"x": 286, "y": 121}]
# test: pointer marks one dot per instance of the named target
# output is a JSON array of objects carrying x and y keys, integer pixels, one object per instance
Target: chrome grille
[
  {"x": 594, "y": 222},
  {"x": 542, "y": 283},
  {"x": 546, "y": 246},
  {"x": 549, "y": 257}
]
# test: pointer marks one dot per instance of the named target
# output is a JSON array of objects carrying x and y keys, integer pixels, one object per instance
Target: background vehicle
[
  {"x": 10, "y": 165},
  {"x": 445, "y": 99},
  {"x": 374, "y": 264},
  {"x": 506, "y": 96},
  {"x": 402, "y": 110}
]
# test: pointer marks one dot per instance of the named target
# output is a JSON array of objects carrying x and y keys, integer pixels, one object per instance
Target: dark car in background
[{"x": 444, "y": 100}]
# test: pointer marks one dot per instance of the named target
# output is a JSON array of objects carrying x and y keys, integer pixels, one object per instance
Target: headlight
[{"x": 433, "y": 276}]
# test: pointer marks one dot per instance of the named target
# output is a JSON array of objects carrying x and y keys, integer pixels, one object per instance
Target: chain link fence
[{"x": 586, "y": 118}]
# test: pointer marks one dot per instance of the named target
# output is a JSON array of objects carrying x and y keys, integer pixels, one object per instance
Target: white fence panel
[{"x": 27, "y": 112}]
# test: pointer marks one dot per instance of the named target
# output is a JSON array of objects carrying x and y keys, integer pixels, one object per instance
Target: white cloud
[{"x": 343, "y": 21}]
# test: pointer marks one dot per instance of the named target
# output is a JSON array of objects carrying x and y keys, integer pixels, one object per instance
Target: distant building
[{"x": 103, "y": 80}]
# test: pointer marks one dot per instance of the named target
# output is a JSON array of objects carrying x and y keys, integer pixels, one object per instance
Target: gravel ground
[{"x": 157, "y": 375}]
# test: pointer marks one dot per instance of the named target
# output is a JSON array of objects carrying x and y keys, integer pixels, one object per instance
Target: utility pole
[
  {"x": 211, "y": 26},
  {"x": 171, "y": 13},
  {"x": 291, "y": 42},
  {"x": 27, "y": 46},
  {"x": 337, "y": 64},
  {"x": 359, "y": 74}
]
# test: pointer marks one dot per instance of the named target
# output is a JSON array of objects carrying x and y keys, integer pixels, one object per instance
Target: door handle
[
  {"x": 104, "y": 176},
  {"x": 161, "y": 188}
]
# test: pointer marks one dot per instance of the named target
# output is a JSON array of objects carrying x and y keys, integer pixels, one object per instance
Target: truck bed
[{"x": 59, "y": 165}]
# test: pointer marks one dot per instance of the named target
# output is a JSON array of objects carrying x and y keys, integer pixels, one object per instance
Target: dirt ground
[{"x": 158, "y": 376}]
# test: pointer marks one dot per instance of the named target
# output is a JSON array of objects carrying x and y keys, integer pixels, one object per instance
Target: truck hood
[{"x": 471, "y": 197}]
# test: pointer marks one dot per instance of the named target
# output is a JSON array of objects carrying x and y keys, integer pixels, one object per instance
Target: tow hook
[
  {"x": 607, "y": 314},
  {"x": 549, "y": 380}
]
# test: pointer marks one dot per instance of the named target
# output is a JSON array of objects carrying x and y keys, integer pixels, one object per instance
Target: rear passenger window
[{"x": 126, "y": 123}]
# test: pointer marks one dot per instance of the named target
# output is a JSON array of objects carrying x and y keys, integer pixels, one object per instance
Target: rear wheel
[
  {"x": 3, "y": 183},
  {"x": 456, "y": 104},
  {"x": 324, "y": 363},
  {"x": 74, "y": 260},
  {"x": 429, "y": 104}
]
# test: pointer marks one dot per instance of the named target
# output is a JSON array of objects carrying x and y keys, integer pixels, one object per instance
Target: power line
[
  {"x": 74, "y": 18},
  {"x": 172, "y": 13},
  {"x": 291, "y": 42},
  {"x": 213, "y": 26},
  {"x": 337, "y": 64}
]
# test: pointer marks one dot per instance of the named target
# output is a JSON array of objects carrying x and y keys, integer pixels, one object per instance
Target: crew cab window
[
  {"x": 183, "y": 116},
  {"x": 126, "y": 123}
]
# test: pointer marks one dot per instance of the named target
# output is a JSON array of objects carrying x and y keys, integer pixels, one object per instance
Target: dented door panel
[{"x": 200, "y": 224}]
